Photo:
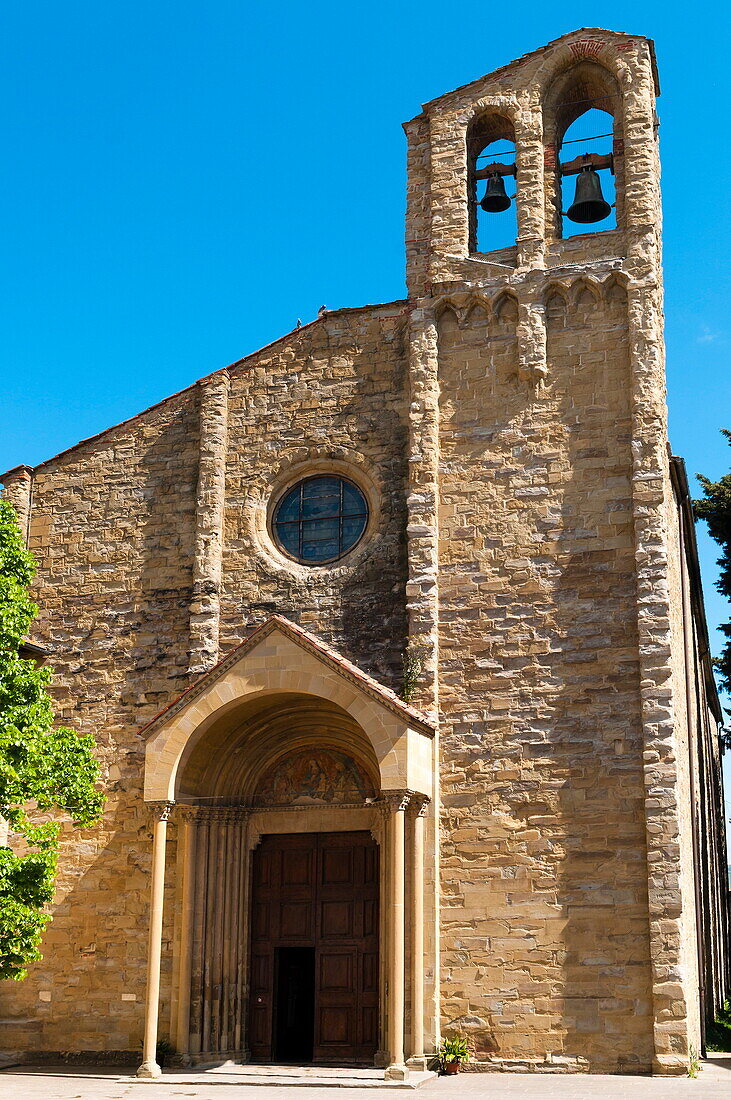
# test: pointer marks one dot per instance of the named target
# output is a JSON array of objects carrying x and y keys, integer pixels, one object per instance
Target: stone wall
[
  {"x": 112, "y": 529},
  {"x": 544, "y": 878},
  {"x": 132, "y": 587},
  {"x": 333, "y": 397},
  {"x": 490, "y": 601}
]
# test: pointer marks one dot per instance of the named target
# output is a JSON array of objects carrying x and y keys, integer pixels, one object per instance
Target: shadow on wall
[
  {"x": 592, "y": 741},
  {"x": 545, "y": 912},
  {"x": 122, "y": 659}
]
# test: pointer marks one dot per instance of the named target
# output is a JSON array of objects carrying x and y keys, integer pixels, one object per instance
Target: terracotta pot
[{"x": 452, "y": 1067}]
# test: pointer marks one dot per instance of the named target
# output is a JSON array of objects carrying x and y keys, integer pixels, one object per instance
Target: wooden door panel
[
  {"x": 295, "y": 920},
  {"x": 297, "y": 868},
  {"x": 336, "y": 972},
  {"x": 335, "y": 1030},
  {"x": 259, "y": 971},
  {"x": 337, "y": 867},
  {"x": 262, "y": 873},
  {"x": 370, "y": 865},
  {"x": 261, "y": 924},
  {"x": 259, "y": 1031},
  {"x": 369, "y": 1028},
  {"x": 369, "y": 977},
  {"x": 370, "y": 917},
  {"x": 336, "y": 919}
]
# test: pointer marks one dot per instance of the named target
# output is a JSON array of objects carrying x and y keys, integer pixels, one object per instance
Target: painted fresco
[{"x": 314, "y": 777}]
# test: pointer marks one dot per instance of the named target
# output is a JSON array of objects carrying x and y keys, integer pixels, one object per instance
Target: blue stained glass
[
  {"x": 289, "y": 509},
  {"x": 328, "y": 505},
  {"x": 322, "y": 550},
  {"x": 289, "y": 535},
  {"x": 353, "y": 528},
  {"x": 321, "y": 487},
  {"x": 353, "y": 500},
  {"x": 320, "y": 519},
  {"x": 321, "y": 529}
]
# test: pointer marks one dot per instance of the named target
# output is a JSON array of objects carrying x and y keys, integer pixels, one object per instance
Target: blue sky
[{"x": 181, "y": 182}]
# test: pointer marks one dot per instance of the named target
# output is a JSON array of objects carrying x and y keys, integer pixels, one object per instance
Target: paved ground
[{"x": 64, "y": 1083}]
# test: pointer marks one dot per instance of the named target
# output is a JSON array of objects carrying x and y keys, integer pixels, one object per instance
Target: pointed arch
[
  {"x": 505, "y": 309},
  {"x": 447, "y": 311},
  {"x": 478, "y": 312},
  {"x": 449, "y": 324},
  {"x": 585, "y": 293},
  {"x": 556, "y": 306},
  {"x": 615, "y": 291}
]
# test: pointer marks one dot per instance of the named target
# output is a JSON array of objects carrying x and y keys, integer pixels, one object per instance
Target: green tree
[
  {"x": 43, "y": 769},
  {"x": 715, "y": 509}
]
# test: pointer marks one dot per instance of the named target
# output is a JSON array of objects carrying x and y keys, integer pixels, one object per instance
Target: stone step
[{"x": 232, "y": 1073}]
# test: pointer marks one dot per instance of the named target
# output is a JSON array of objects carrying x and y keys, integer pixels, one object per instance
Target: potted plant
[
  {"x": 162, "y": 1050},
  {"x": 453, "y": 1053}
]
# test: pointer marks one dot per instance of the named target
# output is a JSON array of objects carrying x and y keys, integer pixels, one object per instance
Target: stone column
[
  {"x": 418, "y": 806},
  {"x": 210, "y": 499},
  {"x": 530, "y": 197},
  {"x": 149, "y": 1067},
  {"x": 188, "y": 838},
  {"x": 396, "y": 1070},
  {"x": 250, "y": 842},
  {"x": 18, "y": 490}
]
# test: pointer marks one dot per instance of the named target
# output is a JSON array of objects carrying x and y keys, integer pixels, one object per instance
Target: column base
[
  {"x": 149, "y": 1070},
  {"x": 396, "y": 1072},
  {"x": 417, "y": 1062},
  {"x": 670, "y": 1065}
]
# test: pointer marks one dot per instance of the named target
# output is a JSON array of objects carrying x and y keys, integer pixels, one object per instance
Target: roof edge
[
  {"x": 199, "y": 381},
  {"x": 537, "y": 51},
  {"x": 321, "y": 650}
]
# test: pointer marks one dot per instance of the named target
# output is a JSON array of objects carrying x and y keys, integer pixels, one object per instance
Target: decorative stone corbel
[{"x": 532, "y": 364}]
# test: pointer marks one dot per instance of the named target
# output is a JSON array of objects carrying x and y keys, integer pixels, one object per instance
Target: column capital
[
  {"x": 394, "y": 801},
  {"x": 189, "y": 814},
  {"x": 419, "y": 804},
  {"x": 161, "y": 810}
]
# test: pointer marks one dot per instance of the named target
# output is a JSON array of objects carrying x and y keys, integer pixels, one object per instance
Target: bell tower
[
  {"x": 531, "y": 104},
  {"x": 541, "y": 568}
]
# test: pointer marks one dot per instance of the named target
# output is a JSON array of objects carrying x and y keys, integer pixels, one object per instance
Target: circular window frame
[
  {"x": 351, "y": 469},
  {"x": 299, "y": 482}
]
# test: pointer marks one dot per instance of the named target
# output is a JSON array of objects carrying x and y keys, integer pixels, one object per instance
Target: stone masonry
[{"x": 528, "y": 545}]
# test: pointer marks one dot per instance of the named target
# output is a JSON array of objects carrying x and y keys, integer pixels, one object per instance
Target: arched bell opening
[
  {"x": 491, "y": 183},
  {"x": 583, "y": 128}
]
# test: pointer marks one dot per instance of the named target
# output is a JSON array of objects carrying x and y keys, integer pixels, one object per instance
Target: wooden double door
[{"x": 314, "y": 949}]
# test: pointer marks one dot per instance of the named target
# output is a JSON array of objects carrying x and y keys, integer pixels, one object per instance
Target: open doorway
[{"x": 294, "y": 1004}]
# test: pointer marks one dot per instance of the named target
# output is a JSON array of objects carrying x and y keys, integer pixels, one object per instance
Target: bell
[
  {"x": 495, "y": 198},
  {"x": 589, "y": 204}
]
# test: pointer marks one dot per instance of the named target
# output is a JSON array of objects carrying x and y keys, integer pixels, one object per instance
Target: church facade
[{"x": 392, "y": 639}]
